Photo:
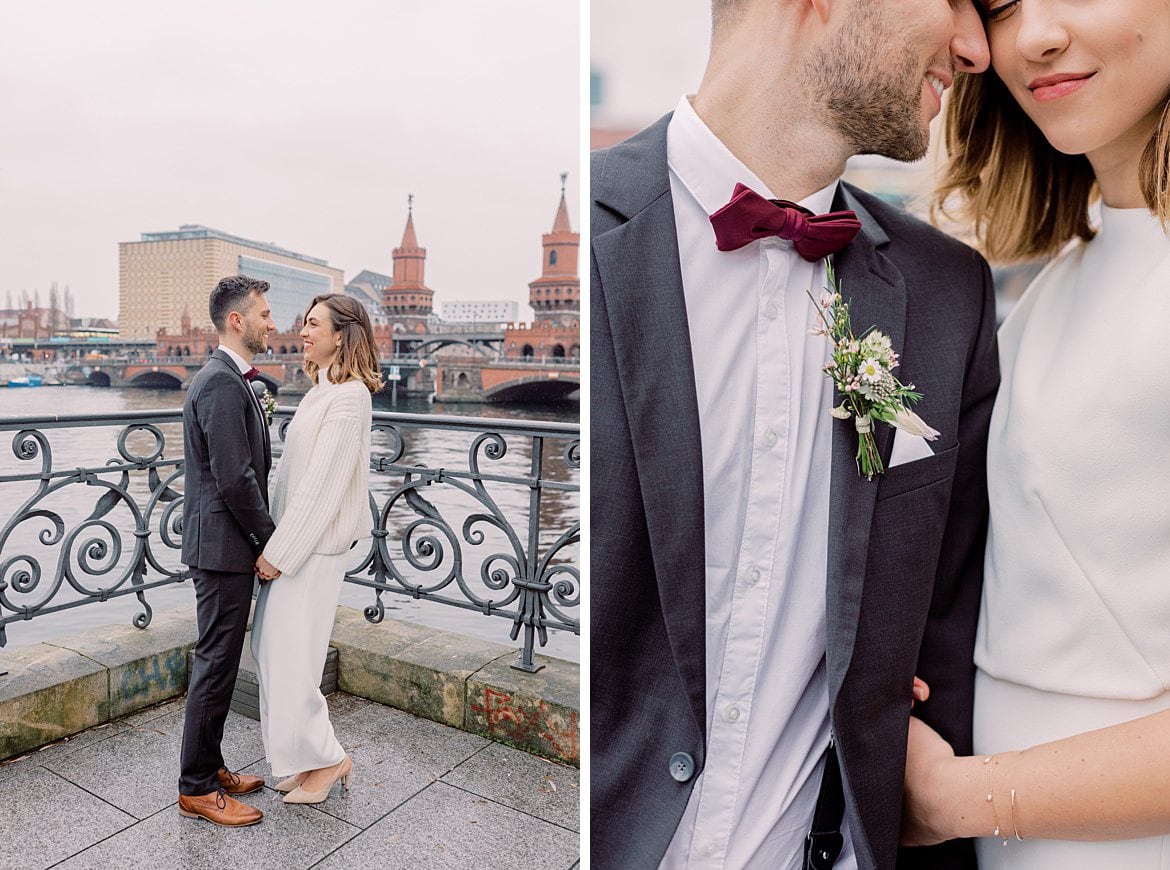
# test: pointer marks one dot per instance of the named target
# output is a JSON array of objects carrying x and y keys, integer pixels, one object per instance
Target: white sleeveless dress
[{"x": 1074, "y": 633}]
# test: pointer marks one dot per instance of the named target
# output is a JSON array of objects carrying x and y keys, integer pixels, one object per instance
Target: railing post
[{"x": 529, "y": 604}]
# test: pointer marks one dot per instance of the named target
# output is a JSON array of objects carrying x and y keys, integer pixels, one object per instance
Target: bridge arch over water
[
  {"x": 157, "y": 380},
  {"x": 534, "y": 388}
]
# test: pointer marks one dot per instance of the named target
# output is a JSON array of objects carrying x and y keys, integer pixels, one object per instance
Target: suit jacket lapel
[
  {"x": 638, "y": 263},
  {"x": 255, "y": 403},
  {"x": 877, "y": 295}
]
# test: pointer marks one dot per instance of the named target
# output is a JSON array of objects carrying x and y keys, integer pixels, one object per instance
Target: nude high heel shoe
[
  {"x": 341, "y": 771},
  {"x": 287, "y": 785}
]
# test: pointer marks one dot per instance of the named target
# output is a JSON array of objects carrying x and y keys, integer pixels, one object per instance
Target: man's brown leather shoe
[
  {"x": 219, "y": 807},
  {"x": 238, "y": 783}
]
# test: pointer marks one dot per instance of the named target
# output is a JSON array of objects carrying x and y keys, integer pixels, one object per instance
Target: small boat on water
[{"x": 27, "y": 381}]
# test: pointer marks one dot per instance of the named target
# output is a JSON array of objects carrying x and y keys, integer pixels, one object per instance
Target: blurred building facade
[
  {"x": 168, "y": 273},
  {"x": 480, "y": 311}
]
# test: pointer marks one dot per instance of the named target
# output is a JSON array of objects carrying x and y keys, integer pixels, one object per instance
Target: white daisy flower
[{"x": 870, "y": 370}]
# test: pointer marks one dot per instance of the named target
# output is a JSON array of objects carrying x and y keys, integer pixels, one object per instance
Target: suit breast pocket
[{"x": 902, "y": 479}]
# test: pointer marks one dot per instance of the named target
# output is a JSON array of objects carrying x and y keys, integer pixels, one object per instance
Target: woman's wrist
[
  {"x": 959, "y": 788},
  {"x": 981, "y": 796}
]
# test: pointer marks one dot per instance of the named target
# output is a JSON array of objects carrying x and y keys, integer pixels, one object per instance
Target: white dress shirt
[
  {"x": 765, "y": 430},
  {"x": 244, "y": 366}
]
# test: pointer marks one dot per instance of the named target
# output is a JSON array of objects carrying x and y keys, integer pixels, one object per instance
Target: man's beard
[
  {"x": 255, "y": 339},
  {"x": 878, "y": 110}
]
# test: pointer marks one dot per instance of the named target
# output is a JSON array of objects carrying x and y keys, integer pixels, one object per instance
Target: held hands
[
  {"x": 930, "y": 761},
  {"x": 937, "y": 800},
  {"x": 266, "y": 570},
  {"x": 920, "y": 692}
]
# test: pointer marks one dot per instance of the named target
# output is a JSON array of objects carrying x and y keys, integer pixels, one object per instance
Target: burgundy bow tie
[
  {"x": 250, "y": 374},
  {"x": 749, "y": 217}
]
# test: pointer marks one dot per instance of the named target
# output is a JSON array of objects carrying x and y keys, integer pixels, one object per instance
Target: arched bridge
[
  {"x": 508, "y": 380},
  {"x": 276, "y": 373}
]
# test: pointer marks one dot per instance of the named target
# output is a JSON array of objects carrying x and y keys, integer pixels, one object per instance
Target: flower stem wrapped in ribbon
[{"x": 861, "y": 368}]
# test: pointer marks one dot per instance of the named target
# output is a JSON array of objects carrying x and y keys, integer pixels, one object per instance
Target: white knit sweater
[{"x": 319, "y": 497}]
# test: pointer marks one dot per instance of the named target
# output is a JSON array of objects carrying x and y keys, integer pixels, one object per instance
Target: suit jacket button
[{"x": 682, "y": 766}]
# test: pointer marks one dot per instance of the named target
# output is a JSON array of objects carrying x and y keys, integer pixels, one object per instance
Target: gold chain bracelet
[{"x": 998, "y": 832}]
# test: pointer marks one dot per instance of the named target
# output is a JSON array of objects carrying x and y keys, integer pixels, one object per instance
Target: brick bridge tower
[
  {"x": 408, "y": 300},
  {"x": 556, "y": 295}
]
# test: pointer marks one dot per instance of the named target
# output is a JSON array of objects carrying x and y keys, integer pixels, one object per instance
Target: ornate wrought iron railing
[{"x": 473, "y": 513}]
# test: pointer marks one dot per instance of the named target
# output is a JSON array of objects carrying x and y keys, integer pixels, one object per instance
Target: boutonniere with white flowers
[
  {"x": 268, "y": 401},
  {"x": 861, "y": 368}
]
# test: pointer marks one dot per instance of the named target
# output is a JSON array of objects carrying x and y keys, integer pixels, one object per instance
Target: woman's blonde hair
[
  {"x": 357, "y": 357},
  {"x": 1023, "y": 198}
]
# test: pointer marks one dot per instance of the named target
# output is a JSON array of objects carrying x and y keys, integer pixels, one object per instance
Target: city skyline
[{"x": 292, "y": 125}]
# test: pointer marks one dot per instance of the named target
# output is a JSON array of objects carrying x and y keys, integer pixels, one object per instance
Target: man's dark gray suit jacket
[
  {"x": 905, "y": 560},
  {"x": 227, "y": 456}
]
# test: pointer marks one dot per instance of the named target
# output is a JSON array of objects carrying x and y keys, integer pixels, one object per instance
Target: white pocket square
[{"x": 908, "y": 448}]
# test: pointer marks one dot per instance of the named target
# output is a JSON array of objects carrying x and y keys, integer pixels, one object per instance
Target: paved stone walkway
[{"x": 422, "y": 795}]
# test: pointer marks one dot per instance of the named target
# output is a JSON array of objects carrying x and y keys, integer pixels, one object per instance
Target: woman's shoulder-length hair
[
  {"x": 357, "y": 357},
  {"x": 1022, "y": 197}
]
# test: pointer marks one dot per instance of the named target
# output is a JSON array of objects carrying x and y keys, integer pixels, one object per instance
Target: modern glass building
[
  {"x": 167, "y": 274},
  {"x": 292, "y": 288}
]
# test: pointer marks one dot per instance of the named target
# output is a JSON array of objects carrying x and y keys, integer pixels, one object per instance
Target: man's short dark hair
[{"x": 231, "y": 294}]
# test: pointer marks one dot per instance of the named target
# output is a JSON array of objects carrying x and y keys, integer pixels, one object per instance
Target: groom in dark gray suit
[
  {"x": 758, "y": 608},
  {"x": 226, "y": 455}
]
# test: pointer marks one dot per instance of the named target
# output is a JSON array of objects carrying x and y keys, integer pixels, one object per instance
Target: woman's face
[
  {"x": 1093, "y": 75},
  {"x": 321, "y": 340}
]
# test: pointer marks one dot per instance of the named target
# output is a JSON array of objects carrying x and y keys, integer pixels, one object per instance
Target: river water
[{"x": 93, "y": 447}]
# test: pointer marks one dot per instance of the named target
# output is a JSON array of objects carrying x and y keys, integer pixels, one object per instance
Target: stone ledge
[
  {"x": 462, "y": 682},
  {"x": 146, "y": 666},
  {"x": 49, "y": 693},
  {"x": 421, "y": 670},
  {"x": 60, "y": 688},
  {"x": 539, "y": 712}
]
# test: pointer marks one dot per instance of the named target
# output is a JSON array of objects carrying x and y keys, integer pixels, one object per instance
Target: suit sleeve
[
  {"x": 222, "y": 411},
  {"x": 946, "y": 658}
]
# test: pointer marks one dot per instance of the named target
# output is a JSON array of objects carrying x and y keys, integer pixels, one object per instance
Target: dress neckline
[{"x": 1130, "y": 231}]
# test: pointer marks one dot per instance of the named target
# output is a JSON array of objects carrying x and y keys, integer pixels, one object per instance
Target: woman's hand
[
  {"x": 266, "y": 569},
  {"x": 932, "y": 785},
  {"x": 920, "y": 691}
]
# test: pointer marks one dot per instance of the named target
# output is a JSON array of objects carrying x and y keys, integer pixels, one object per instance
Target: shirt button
[
  {"x": 772, "y": 311},
  {"x": 733, "y": 713},
  {"x": 770, "y": 437},
  {"x": 753, "y": 577}
]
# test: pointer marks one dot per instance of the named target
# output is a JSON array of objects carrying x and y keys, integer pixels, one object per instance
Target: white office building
[{"x": 480, "y": 311}]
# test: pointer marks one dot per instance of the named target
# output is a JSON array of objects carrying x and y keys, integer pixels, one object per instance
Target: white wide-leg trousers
[{"x": 291, "y": 627}]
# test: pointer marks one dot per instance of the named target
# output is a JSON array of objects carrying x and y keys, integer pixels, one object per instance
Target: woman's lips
[{"x": 1054, "y": 87}]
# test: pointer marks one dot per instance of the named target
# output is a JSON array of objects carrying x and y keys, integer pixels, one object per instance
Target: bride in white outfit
[
  {"x": 1072, "y": 697},
  {"x": 320, "y": 505}
]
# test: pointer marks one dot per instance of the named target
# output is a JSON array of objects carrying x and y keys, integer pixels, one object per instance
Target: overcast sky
[
  {"x": 296, "y": 122},
  {"x": 649, "y": 53}
]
